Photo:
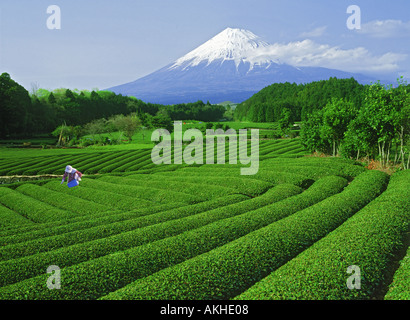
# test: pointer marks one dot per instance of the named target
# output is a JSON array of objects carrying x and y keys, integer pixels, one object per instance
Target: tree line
[
  {"x": 376, "y": 128},
  {"x": 24, "y": 114},
  {"x": 298, "y": 101}
]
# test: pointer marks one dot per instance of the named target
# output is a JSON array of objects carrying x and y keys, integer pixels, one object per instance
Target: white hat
[{"x": 68, "y": 169}]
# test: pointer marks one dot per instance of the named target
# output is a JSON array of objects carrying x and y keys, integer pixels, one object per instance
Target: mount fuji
[{"x": 228, "y": 67}]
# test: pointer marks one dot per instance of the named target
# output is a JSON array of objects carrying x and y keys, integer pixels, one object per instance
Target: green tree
[
  {"x": 64, "y": 134},
  {"x": 286, "y": 121},
  {"x": 337, "y": 116},
  {"x": 15, "y": 103},
  {"x": 312, "y": 134},
  {"x": 129, "y": 125},
  {"x": 162, "y": 121}
]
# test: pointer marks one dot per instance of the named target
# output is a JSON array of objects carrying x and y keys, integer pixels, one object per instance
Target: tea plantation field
[{"x": 134, "y": 230}]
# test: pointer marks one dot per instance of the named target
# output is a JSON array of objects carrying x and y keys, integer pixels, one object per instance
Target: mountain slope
[{"x": 227, "y": 67}]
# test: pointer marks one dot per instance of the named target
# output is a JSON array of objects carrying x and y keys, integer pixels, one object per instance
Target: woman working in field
[{"x": 74, "y": 176}]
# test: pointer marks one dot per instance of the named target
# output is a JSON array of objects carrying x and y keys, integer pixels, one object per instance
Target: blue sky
[{"x": 106, "y": 43}]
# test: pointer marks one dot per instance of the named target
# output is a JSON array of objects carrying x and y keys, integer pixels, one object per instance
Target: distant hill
[{"x": 302, "y": 99}]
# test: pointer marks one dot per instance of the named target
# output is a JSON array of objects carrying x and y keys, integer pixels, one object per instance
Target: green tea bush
[
  {"x": 36, "y": 231},
  {"x": 10, "y": 218},
  {"x": 247, "y": 186},
  {"x": 106, "y": 198},
  {"x": 60, "y": 200},
  {"x": 150, "y": 228},
  {"x": 127, "y": 265},
  {"x": 30, "y": 208},
  {"x": 135, "y": 183},
  {"x": 224, "y": 272},
  {"x": 147, "y": 259},
  {"x": 399, "y": 288},
  {"x": 368, "y": 240}
]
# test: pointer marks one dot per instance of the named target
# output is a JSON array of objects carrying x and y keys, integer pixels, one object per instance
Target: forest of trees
[
  {"x": 376, "y": 128},
  {"x": 269, "y": 104},
  {"x": 338, "y": 116},
  {"x": 24, "y": 114}
]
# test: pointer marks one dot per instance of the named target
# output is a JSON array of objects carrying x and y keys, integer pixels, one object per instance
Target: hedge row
[
  {"x": 96, "y": 195},
  {"x": 59, "y": 166},
  {"x": 10, "y": 218},
  {"x": 123, "y": 266},
  {"x": 157, "y": 226},
  {"x": 46, "y": 244},
  {"x": 61, "y": 201},
  {"x": 133, "y": 184},
  {"x": 46, "y": 163},
  {"x": 227, "y": 270},
  {"x": 20, "y": 163},
  {"x": 368, "y": 240},
  {"x": 84, "y": 161},
  {"x": 80, "y": 160},
  {"x": 270, "y": 176},
  {"x": 247, "y": 186},
  {"x": 142, "y": 158},
  {"x": 92, "y": 167},
  {"x": 74, "y": 237},
  {"x": 127, "y": 186},
  {"x": 36, "y": 231},
  {"x": 310, "y": 167},
  {"x": 399, "y": 289},
  {"x": 30, "y": 208},
  {"x": 115, "y": 163}
]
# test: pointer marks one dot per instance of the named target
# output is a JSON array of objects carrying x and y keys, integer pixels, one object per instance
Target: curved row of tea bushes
[
  {"x": 125, "y": 186},
  {"x": 80, "y": 162},
  {"x": 142, "y": 158},
  {"x": 108, "y": 161},
  {"x": 227, "y": 270},
  {"x": 32, "y": 209},
  {"x": 93, "y": 166},
  {"x": 310, "y": 167},
  {"x": 10, "y": 218},
  {"x": 269, "y": 176},
  {"x": 106, "y": 198},
  {"x": 247, "y": 186},
  {"x": 17, "y": 233},
  {"x": 34, "y": 169},
  {"x": 368, "y": 240},
  {"x": 152, "y": 228},
  {"x": 60, "y": 164},
  {"x": 85, "y": 206},
  {"x": 200, "y": 190},
  {"x": 162, "y": 189},
  {"x": 60, "y": 200},
  {"x": 94, "y": 232},
  {"x": 399, "y": 289},
  {"x": 6, "y": 171},
  {"x": 124, "y": 266},
  {"x": 129, "y": 159}
]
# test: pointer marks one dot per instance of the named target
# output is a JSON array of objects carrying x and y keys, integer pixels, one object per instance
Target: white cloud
[
  {"x": 309, "y": 53},
  {"x": 318, "y": 32},
  {"x": 386, "y": 29}
]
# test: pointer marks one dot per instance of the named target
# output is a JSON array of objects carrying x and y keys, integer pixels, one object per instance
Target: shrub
[
  {"x": 10, "y": 218},
  {"x": 223, "y": 272},
  {"x": 147, "y": 229},
  {"x": 368, "y": 240}
]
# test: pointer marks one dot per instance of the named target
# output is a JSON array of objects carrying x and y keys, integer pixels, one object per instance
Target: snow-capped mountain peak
[
  {"x": 231, "y": 44},
  {"x": 232, "y": 66}
]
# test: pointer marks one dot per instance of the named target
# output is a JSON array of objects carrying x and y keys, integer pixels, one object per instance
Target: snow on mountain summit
[
  {"x": 232, "y": 66},
  {"x": 231, "y": 44}
]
